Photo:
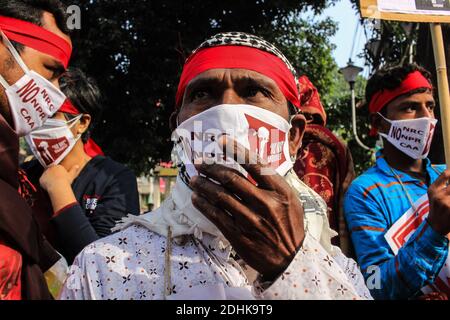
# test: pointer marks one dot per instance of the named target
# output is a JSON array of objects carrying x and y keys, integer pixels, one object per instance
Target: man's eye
[
  {"x": 199, "y": 94},
  {"x": 55, "y": 71},
  {"x": 409, "y": 109},
  {"x": 253, "y": 91}
]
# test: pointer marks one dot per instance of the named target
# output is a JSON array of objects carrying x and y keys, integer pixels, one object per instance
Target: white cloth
[
  {"x": 130, "y": 264},
  {"x": 178, "y": 213}
]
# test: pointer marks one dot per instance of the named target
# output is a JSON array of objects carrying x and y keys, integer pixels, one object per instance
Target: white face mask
[
  {"x": 51, "y": 143},
  {"x": 412, "y": 137},
  {"x": 261, "y": 131},
  {"x": 32, "y": 99}
]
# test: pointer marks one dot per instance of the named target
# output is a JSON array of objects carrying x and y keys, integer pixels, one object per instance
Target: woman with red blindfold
[{"x": 77, "y": 193}]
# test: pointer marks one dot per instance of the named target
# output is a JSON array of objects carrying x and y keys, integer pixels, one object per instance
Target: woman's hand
[{"x": 57, "y": 181}]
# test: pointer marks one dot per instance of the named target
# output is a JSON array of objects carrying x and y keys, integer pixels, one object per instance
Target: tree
[
  {"x": 135, "y": 50},
  {"x": 338, "y": 106}
]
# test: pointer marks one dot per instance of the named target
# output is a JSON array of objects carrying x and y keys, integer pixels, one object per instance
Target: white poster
[
  {"x": 404, "y": 228},
  {"x": 423, "y": 7}
]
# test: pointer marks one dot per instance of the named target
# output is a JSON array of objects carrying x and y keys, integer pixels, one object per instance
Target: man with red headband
[
  {"x": 34, "y": 51},
  {"x": 237, "y": 209},
  {"x": 402, "y": 252}
]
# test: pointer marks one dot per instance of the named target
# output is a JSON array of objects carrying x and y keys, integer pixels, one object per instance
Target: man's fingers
[
  {"x": 441, "y": 182},
  {"x": 222, "y": 220},
  {"x": 259, "y": 169},
  {"x": 231, "y": 180},
  {"x": 219, "y": 197}
]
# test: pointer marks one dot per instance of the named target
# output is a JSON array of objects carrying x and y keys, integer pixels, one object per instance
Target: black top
[{"x": 105, "y": 190}]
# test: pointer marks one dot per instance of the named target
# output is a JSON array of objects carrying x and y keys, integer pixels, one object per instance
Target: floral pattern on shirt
[{"x": 114, "y": 269}]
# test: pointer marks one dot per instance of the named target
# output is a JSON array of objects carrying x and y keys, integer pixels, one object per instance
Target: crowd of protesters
[{"x": 267, "y": 207}]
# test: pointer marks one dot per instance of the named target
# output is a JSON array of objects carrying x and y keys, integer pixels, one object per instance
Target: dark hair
[
  {"x": 390, "y": 78},
  {"x": 32, "y": 11},
  {"x": 84, "y": 94}
]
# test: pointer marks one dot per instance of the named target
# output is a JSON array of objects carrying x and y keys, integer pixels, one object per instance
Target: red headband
[
  {"x": 90, "y": 147},
  {"x": 38, "y": 38},
  {"x": 239, "y": 57},
  {"x": 415, "y": 80}
]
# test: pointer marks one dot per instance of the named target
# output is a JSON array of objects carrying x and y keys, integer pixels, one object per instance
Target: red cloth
[
  {"x": 325, "y": 164},
  {"x": 36, "y": 37},
  {"x": 239, "y": 57},
  {"x": 310, "y": 101},
  {"x": 10, "y": 273},
  {"x": 90, "y": 147},
  {"x": 415, "y": 80}
]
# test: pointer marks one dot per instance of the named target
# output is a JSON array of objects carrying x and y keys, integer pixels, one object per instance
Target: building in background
[{"x": 155, "y": 187}]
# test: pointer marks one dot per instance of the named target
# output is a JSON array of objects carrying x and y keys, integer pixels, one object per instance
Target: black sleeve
[
  {"x": 119, "y": 199},
  {"x": 76, "y": 231}
]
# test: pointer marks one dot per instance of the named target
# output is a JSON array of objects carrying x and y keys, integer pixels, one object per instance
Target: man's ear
[
  {"x": 378, "y": 123},
  {"x": 173, "y": 120},
  {"x": 296, "y": 133},
  {"x": 84, "y": 123}
]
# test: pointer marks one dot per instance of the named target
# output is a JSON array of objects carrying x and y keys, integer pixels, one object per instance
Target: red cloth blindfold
[
  {"x": 239, "y": 57},
  {"x": 38, "y": 38},
  {"x": 90, "y": 147},
  {"x": 413, "y": 81}
]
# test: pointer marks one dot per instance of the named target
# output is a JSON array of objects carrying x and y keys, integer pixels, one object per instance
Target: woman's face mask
[
  {"x": 262, "y": 132},
  {"x": 32, "y": 99},
  {"x": 53, "y": 142},
  {"x": 413, "y": 137}
]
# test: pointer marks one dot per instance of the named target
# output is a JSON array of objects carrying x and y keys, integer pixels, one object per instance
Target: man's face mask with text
[
  {"x": 264, "y": 133},
  {"x": 52, "y": 142},
  {"x": 32, "y": 99},
  {"x": 413, "y": 137}
]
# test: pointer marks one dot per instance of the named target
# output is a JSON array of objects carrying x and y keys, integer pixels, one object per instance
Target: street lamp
[{"x": 350, "y": 73}]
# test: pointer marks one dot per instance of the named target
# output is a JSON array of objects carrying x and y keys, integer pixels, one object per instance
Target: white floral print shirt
[{"x": 130, "y": 265}]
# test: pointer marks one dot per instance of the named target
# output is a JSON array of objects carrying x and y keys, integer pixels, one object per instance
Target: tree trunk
[{"x": 425, "y": 58}]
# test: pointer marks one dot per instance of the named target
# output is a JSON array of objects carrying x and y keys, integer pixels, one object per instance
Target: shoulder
[
  {"x": 363, "y": 194},
  {"x": 122, "y": 245},
  {"x": 109, "y": 168},
  {"x": 363, "y": 183},
  {"x": 439, "y": 167}
]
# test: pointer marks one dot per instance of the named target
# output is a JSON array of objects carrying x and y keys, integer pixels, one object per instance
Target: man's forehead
[
  {"x": 218, "y": 75},
  {"x": 419, "y": 97},
  {"x": 49, "y": 23}
]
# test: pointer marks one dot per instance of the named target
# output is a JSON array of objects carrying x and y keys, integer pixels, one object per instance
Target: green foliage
[
  {"x": 338, "y": 105},
  {"x": 135, "y": 50},
  {"x": 306, "y": 43}
]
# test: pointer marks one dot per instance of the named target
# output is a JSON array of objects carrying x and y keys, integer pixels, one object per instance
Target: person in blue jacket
[{"x": 401, "y": 106}]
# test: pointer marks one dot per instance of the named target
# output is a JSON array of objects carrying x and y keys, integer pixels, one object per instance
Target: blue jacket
[{"x": 373, "y": 203}]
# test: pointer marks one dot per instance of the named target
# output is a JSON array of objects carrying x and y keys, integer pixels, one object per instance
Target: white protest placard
[
  {"x": 402, "y": 230},
  {"x": 407, "y": 10},
  {"x": 422, "y": 7}
]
